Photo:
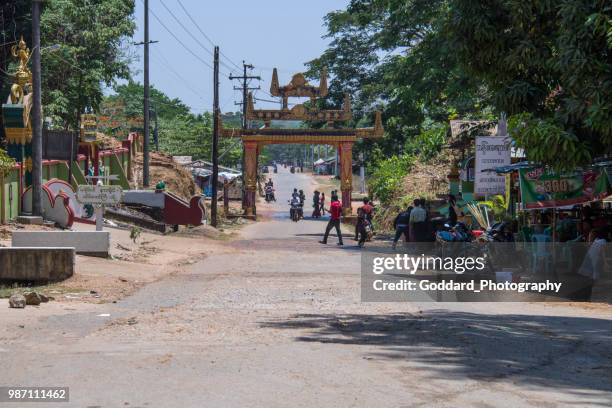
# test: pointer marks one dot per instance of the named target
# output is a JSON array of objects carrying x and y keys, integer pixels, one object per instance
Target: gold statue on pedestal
[
  {"x": 16, "y": 112},
  {"x": 23, "y": 76}
]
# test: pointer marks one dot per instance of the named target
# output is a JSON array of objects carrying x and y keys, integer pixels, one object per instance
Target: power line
[
  {"x": 185, "y": 28},
  {"x": 205, "y": 36},
  {"x": 188, "y": 32},
  {"x": 196, "y": 56},
  {"x": 163, "y": 61}
]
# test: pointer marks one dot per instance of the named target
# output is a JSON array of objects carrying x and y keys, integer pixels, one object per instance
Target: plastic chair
[{"x": 541, "y": 255}]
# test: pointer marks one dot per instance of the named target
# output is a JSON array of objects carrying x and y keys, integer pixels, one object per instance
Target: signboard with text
[
  {"x": 99, "y": 195},
  {"x": 491, "y": 152},
  {"x": 542, "y": 188}
]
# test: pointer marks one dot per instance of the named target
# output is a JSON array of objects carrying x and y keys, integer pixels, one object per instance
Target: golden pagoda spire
[
  {"x": 323, "y": 83},
  {"x": 274, "y": 85},
  {"x": 346, "y": 106}
]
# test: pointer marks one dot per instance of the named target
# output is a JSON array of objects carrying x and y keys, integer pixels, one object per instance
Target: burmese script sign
[
  {"x": 100, "y": 195},
  {"x": 544, "y": 188},
  {"x": 491, "y": 152}
]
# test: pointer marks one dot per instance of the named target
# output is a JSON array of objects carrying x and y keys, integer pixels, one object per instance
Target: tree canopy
[
  {"x": 91, "y": 35},
  {"x": 547, "y": 64},
  {"x": 84, "y": 48},
  {"x": 181, "y": 132}
]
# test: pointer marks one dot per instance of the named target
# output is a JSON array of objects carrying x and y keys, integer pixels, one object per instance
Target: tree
[
  {"x": 396, "y": 56},
  {"x": 181, "y": 133},
  {"x": 131, "y": 96},
  {"x": 90, "y": 35},
  {"x": 549, "y": 64}
]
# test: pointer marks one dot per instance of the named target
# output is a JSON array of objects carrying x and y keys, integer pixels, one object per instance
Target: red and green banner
[{"x": 542, "y": 188}]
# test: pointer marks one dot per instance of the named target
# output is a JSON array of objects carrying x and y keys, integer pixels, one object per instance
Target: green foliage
[
  {"x": 135, "y": 233},
  {"x": 394, "y": 55},
  {"x": 90, "y": 35},
  {"x": 428, "y": 144},
  {"x": 6, "y": 163},
  {"x": 388, "y": 175},
  {"x": 547, "y": 141},
  {"x": 548, "y": 59},
  {"x": 186, "y": 135},
  {"x": 131, "y": 95},
  {"x": 499, "y": 207},
  {"x": 181, "y": 133}
]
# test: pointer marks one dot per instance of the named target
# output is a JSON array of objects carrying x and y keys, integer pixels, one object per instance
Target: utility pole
[
  {"x": 245, "y": 93},
  {"x": 215, "y": 141},
  {"x": 145, "y": 148},
  {"x": 245, "y": 90},
  {"x": 36, "y": 113}
]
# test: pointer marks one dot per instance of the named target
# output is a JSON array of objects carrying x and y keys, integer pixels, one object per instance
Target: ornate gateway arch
[{"x": 333, "y": 133}]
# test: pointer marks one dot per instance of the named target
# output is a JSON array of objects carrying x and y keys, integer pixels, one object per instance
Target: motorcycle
[
  {"x": 369, "y": 230},
  {"x": 458, "y": 233},
  {"x": 498, "y": 232},
  {"x": 270, "y": 195},
  {"x": 295, "y": 211}
]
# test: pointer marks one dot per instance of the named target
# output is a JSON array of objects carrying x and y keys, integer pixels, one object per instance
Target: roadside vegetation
[{"x": 545, "y": 64}]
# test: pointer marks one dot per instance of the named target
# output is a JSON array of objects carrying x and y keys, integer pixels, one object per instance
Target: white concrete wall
[{"x": 84, "y": 242}]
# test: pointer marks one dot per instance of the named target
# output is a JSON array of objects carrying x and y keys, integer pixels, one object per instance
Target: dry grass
[
  {"x": 178, "y": 180},
  {"x": 428, "y": 180}
]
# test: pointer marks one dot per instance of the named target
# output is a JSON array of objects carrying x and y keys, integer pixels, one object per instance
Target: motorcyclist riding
[
  {"x": 296, "y": 209},
  {"x": 269, "y": 193}
]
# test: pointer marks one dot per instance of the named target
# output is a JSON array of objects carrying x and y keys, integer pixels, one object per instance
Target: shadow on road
[{"x": 550, "y": 351}]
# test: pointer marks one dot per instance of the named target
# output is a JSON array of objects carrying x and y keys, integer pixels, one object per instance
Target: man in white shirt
[{"x": 418, "y": 225}]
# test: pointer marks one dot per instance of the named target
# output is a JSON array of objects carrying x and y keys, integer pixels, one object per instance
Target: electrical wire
[
  {"x": 198, "y": 93},
  {"x": 206, "y": 36},
  {"x": 191, "y": 34},
  {"x": 196, "y": 56}
]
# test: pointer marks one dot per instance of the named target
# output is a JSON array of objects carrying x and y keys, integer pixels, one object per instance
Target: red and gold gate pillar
[
  {"x": 250, "y": 177},
  {"x": 346, "y": 175}
]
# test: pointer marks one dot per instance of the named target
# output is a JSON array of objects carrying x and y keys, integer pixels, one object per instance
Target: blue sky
[{"x": 265, "y": 33}]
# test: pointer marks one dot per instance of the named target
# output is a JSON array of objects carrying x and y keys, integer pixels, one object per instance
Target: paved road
[{"x": 274, "y": 320}]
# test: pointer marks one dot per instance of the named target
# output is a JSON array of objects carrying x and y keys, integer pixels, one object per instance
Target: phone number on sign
[{"x": 55, "y": 394}]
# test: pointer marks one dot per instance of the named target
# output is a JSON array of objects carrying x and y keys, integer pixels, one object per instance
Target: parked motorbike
[
  {"x": 458, "y": 233},
  {"x": 498, "y": 232}
]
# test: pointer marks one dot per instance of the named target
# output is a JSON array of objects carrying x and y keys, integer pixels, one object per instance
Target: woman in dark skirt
[{"x": 316, "y": 213}]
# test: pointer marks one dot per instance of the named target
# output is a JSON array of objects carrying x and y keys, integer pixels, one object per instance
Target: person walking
[
  {"x": 316, "y": 213},
  {"x": 417, "y": 223},
  {"x": 402, "y": 226},
  {"x": 335, "y": 211},
  {"x": 367, "y": 210},
  {"x": 364, "y": 221},
  {"x": 322, "y": 203}
]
